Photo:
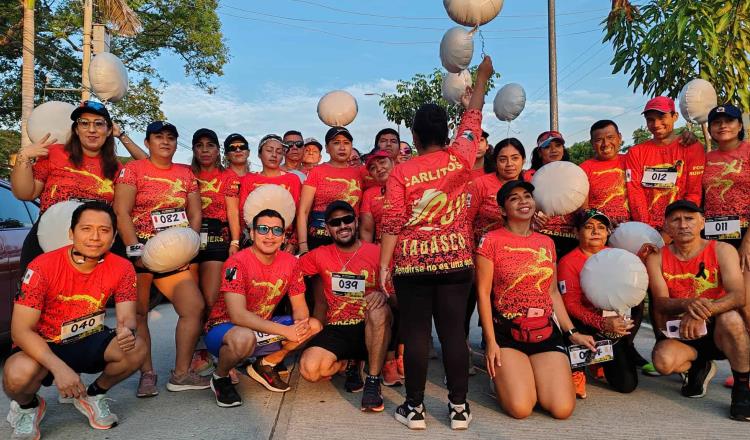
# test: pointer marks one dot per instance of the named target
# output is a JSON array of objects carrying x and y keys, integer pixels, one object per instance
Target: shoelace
[
  {"x": 102, "y": 406},
  {"x": 25, "y": 422},
  {"x": 371, "y": 391}
]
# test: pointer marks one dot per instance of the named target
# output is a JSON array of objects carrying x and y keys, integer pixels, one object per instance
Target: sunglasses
[
  {"x": 277, "y": 231},
  {"x": 236, "y": 148},
  {"x": 294, "y": 144},
  {"x": 85, "y": 123},
  {"x": 338, "y": 221}
]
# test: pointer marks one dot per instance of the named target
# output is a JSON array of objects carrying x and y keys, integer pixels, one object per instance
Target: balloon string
[
  {"x": 507, "y": 135},
  {"x": 481, "y": 38}
]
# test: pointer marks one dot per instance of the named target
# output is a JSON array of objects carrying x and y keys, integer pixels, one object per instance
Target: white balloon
[
  {"x": 560, "y": 188},
  {"x": 472, "y": 12},
  {"x": 615, "y": 280},
  {"x": 170, "y": 249},
  {"x": 269, "y": 197},
  {"x": 109, "y": 77},
  {"x": 455, "y": 84},
  {"x": 55, "y": 224},
  {"x": 51, "y": 117},
  {"x": 632, "y": 235},
  {"x": 697, "y": 98},
  {"x": 337, "y": 108},
  {"x": 456, "y": 49},
  {"x": 509, "y": 102}
]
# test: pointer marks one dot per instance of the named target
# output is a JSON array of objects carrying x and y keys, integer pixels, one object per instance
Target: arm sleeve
[
  {"x": 475, "y": 199},
  {"x": 33, "y": 288},
  {"x": 695, "y": 161},
  {"x": 467, "y": 136},
  {"x": 233, "y": 277},
  {"x": 395, "y": 214},
  {"x": 366, "y": 202},
  {"x": 636, "y": 194},
  {"x": 486, "y": 248},
  {"x": 191, "y": 182},
  {"x": 128, "y": 175},
  {"x": 313, "y": 179},
  {"x": 231, "y": 185},
  {"x": 125, "y": 290},
  {"x": 41, "y": 169},
  {"x": 570, "y": 287},
  {"x": 296, "y": 284}
]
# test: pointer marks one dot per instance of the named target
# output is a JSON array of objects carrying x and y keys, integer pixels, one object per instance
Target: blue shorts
[{"x": 215, "y": 338}]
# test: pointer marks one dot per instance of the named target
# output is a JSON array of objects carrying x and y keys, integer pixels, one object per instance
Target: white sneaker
[
  {"x": 412, "y": 417},
  {"x": 459, "y": 415},
  {"x": 26, "y": 426},
  {"x": 96, "y": 409},
  {"x": 13, "y": 413}
]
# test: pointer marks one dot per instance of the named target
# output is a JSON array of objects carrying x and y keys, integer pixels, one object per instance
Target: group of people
[{"x": 382, "y": 245}]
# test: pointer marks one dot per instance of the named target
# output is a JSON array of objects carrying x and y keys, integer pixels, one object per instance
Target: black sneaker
[
  {"x": 372, "y": 400},
  {"x": 353, "y": 382},
  {"x": 226, "y": 394},
  {"x": 412, "y": 417},
  {"x": 267, "y": 376},
  {"x": 695, "y": 382},
  {"x": 740, "y": 407},
  {"x": 282, "y": 369},
  {"x": 459, "y": 415}
]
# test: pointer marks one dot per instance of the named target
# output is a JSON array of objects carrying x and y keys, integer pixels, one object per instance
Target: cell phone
[
  {"x": 534, "y": 312},
  {"x": 673, "y": 329}
]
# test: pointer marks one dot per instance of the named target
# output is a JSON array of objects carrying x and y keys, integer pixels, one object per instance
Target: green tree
[
  {"x": 662, "y": 44},
  {"x": 189, "y": 29},
  {"x": 641, "y": 135},
  {"x": 580, "y": 152},
  {"x": 401, "y": 106},
  {"x": 9, "y": 142}
]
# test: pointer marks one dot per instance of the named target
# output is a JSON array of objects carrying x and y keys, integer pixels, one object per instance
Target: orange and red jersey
[
  {"x": 328, "y": 260},
  {"x": 483, "y": 214},
  {"x": 157, "y": 190},
  {"x": 426, "y": 202},
  {"x": 372, "y": 203},
  {"x": 697, "y": 277},
  {"x": 63, "y": 181},
  {"x": 333, "y": 183},
  {"x": 262, "y": 285},
  {"x": 250, "y": 181},
  {"x": 607, "y": 191},
  {"x": 726, "y": 183},
  {"x": 569, "y": 279},
  {"x": 647, "y": 204},
  {"x": 523, "y": 271},
  {"x": 215, "y": 186},
  {"x": 61, "y": 293}
]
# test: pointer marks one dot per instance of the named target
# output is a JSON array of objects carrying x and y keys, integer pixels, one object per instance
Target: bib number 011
[{"x": 722, "y": 228}]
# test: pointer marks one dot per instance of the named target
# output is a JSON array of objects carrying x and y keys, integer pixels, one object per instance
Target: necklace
[{"x": 338, "y": 256}]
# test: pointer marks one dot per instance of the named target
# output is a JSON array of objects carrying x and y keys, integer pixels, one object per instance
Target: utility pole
[
  {"x": 552, "y": 65},
  {"x": 88, "y": 18},
  {"x": 27, "y": 70}
]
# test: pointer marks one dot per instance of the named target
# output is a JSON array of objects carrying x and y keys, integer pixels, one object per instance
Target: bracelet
[
  {"x": 300, "y": 242},
  {"x": 571, "y": 332},
  {"x": 234, "y": 243}
]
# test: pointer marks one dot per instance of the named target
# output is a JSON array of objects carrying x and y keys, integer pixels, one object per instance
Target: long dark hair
[
  {"x": 430, "y": 126},
  {"x": 107, "y": 155},
  {"x": 536, "y": 158}
]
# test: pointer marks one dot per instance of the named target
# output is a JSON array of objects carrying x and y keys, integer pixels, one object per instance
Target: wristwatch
[{"x": 571, "y": 332}]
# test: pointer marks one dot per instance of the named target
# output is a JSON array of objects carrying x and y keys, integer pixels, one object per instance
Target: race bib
[
  {"x": 349, "y": 285},
  {"x": 169, "y": 218},
  {"x": 581, "y": 355},
  {"x": 262, "y": 339},
  {"x": 79, "y": 328},
  {"x": 722, "y": 228},
  {"x": 659, "y": 177}
]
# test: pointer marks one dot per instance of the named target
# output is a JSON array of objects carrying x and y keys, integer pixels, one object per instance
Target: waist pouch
[
  {"x": 213, "y": 234},
  {"x": 531, "y": 330}
]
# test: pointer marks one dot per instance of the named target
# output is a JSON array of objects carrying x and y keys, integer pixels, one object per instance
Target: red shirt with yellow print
[
  {"x": 607, "y": 187},
  {"x": 57, "y": 289},
  {"x": 523, "y": 271},
  {"x": 327, "y": 261},
  {"x": 372, "y": 203},
  {"x": 426, "y": 202},
  {"x": 157, "y": 189},
  {"x": 726, "y": 183},
  {"x": 333, "y": 183},
  {"x": 697, "y": 277},
  {"x": 214, "y": 187},
  {"x": 63, "y": 181},
  {"x": 262, "y": 285},
  {"x": 647, "y": 204},
  {"x": 483, "y": 214}
]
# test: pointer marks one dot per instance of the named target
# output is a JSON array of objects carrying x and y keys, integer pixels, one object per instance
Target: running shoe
[
  {"x": 267, "y": 376},
  {"x": 598, "y": 372},
  {"x": 740, "y": 407},
  {"x": 27, "y": 422},
  {"x": 188, "y": 381},
  {"x": 579, "y": 381},
  {"x": 412, "y": 417},
  {"x": 729, "y": 383},
  {"x": 13, "y": 413},
  {"x": 282, "y": 369},
  {"x": 372, "y": 399},
  {"x": 225, "y": 393},
  {"x": 649, "y": 370},
  {"x": 202, "y": 363},
  {"x": 147, "y": 385},
  {"x": 96, "y": 409},
  {"x": 234, "y": 376},
  {"x": 390, "y": 374},
  {"x": 400, "y": 363},
  {"x": 695, "y": 382},
  {"x": 353, "y": 374},
  {"x": 459, "y": 415}
]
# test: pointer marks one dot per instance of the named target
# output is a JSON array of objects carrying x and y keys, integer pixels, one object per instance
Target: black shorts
[
  {"x": 705, "y": 346},
  {"x": 345, "y": 341},
  {"x": 158, "y": 275},
  {"x": 555, "y": 342},
  {"x": 215, "y": 254},
  {"x": 214, "y": 241},
  {"x": 82, "y": 356}
]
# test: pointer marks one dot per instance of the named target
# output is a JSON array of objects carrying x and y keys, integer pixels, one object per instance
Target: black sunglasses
[
  {"x": 294, "y": 144},
  {"x": 277, "y": 231},
  {"x": 235, "y": 148},
  {"x": 338, "y": 221}
]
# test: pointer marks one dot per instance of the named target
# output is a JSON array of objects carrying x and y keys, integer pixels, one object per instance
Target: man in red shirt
[
  {"x": 311, "y": 155},
  {"x": 358, "y": 319},
  {"x": 58, "y": 325}
]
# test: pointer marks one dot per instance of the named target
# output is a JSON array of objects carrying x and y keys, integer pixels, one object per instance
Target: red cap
[
  {"x": 547, "y": 137},
  {"x": 661, "y": 104},
  {"x": 374, "y": 156}
]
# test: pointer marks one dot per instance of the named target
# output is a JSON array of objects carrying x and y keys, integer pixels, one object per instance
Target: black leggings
[
  {"x": 444, "y": 297},
  {"x": 621, "y": 371},
  {"x": 31, "y": 248}
]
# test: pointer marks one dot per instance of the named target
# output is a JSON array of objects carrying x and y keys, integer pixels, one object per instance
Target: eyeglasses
[
  {"x": 294, "y": 144},
  {"x": 236, "y": 148},
  {"x": 277, "y": 231},
  {"x": 99, "y": 124},
  {"x": 338, "y": 221}
]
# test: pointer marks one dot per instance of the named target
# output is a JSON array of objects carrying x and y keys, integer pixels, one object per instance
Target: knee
[
  {"x": 517, "y": 409},
  {"x": 240, "y": 344},
  {"x": 379, "y": 317},
  {"x": 626, "y": 387},
  {"x": 16, "y": 377},
  {"x": 309, "y": 369},
  {"x": 663, "y": 363},
  {"x": 731, "y": 324},
  {"x": 563, "y": 410}
]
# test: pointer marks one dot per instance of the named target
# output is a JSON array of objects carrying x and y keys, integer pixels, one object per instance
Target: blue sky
[{"x": 285, "y": 54}]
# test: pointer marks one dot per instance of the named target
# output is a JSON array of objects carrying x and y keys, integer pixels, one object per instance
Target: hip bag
[{"x": 531, "y": 329}]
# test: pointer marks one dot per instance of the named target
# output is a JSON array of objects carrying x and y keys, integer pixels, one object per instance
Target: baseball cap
[
  {"x": 335, "y": 131},
  {"x": 312, "y": 140},
  {"x": 94, "y": 107},
  {"x": 159, "y": 126},
  {"x": 585, "y": 215},
  {"x": 485, "y": 134},
  {"x": 234, "y": 137},
  {"x": 725, "y": 110},
  {"x": 661, "y": 104},
  {"x": 205, "y": 132},
  {"x": 337, "y": 205},
  {"x": 269, "y": 137},
  {"x": 508, "y": 187},
  {"x": 547, "y": 137},
  {"x": 682, "y": 205},
  {"x": 372, "y": 157}
]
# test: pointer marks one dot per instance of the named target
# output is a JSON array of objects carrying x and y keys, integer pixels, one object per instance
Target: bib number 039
[{"x": 349, "y": 285}]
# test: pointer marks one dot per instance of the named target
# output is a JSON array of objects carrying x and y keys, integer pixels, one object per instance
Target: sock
[
  {"x": 94, "y": 389},
  {"x": 33, "y": 404},
  {"x": 741, "y": 379},
  {"x": 217, "y": 377},
  {"x": 373, "y": 378},
  {"x": 263, "y": 361}
]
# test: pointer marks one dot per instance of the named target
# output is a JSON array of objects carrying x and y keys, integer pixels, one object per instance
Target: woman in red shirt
[
  {"x": 379, "y": 165},
  {"x": 236, "y": 153}
]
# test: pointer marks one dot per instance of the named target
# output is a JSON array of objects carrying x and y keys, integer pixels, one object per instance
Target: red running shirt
[
  {"x": 524, "y": 268},
  {"x": 426, "y": 203},
  {"x": 327, "y": 260},
  {"x": 63, "y": 181},
  {"x": 263, "y": 285},
  {"x": 726, "y": 183},
  {"x": 333, "y": 183},
  {"x": 697, "y": 277},
  {"x": 569, "y": 281},
  {"x": 607, "y": 191},
  {"x": 483, "y": 215},
  {"x": 157, "y": 189},
  {"x": 647, "y": 204},
  {"x": 372, "y": 203},
  {"x": 214, "y": 187},
  {"x": 53, "y": 286}
]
